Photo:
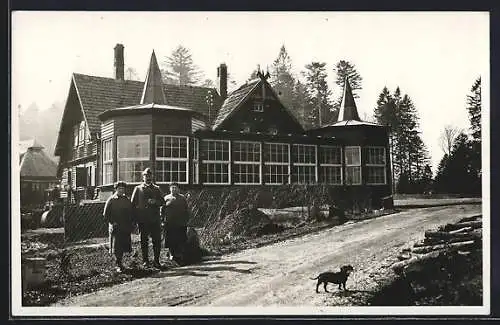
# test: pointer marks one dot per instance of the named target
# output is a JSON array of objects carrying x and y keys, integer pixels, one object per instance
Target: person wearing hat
[
  {"x": 147, "y": 199},
  {"x": 119, "y": 213},
  {"x": 176, "y": 214}
]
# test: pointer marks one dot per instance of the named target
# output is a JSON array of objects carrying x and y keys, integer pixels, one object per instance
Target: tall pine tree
[
  {"x": 474, "y": 109},
  {"x": 319, "y": 93},
  {"x": 409, "y": 153},
  {"x": 283, "y": 81},
  {"x": 179, "y": 68},
  {"x": 342, "y": 70}
]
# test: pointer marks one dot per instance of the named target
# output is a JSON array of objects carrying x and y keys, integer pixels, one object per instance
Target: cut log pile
[{"x": 460, "y": 238}]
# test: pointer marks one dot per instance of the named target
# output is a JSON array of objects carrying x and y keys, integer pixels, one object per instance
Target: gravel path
[{"x": 279, "y": 274}]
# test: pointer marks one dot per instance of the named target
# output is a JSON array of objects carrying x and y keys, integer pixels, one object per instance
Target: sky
[{"x": 434, "y": 57}]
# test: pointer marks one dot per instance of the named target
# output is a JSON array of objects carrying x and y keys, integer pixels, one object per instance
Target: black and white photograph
[{"x": 250, "y": 163}]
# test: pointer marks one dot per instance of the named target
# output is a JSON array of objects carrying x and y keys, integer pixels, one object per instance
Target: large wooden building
[{"x": 113, "y": 128}]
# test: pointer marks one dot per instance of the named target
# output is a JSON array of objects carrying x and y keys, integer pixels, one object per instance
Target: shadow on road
[
  {"x": 227, "y": 262},
  {"x": 177, "y": 272},
  {"x": 217, "y": 268},
  {"x": 349, "y": 293}
]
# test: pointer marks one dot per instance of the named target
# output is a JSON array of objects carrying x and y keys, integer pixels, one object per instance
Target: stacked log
[{"x": 462, "y": 238}]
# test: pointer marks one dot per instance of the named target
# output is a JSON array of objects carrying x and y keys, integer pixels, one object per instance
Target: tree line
[
  {"x": 459, "y": 170},
  {"x": 310, "y": 99}
]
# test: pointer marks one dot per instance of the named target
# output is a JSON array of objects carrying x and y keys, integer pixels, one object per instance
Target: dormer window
[
  {"x": 273, "y": 130},
  {"x": 258, "y": 107}
]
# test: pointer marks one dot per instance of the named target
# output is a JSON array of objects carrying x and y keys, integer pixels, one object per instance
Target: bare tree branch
[{"x": 447, "y": 138}]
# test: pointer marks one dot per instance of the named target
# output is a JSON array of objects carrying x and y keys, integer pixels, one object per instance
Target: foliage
[
  {"x": 456, "y": 172},
  {"x": 474, "y": 109},
  {"x": 283, "y": 82},
  {"x": 179, "y": 68},
  {"x": 459, "y": 170},
  {"x": 131, "y": 74},
  {"x": 447, "y": 138},
  {"x": 409, "y": 153},
  {"x": 320, "y": 110}
]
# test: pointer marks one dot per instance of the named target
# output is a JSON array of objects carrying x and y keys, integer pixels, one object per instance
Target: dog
[{"x": 339, "y": 278}]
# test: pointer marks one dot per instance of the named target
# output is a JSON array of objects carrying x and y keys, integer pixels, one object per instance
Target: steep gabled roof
[
  {"x": 152, "y": 92},
  {"x": 98, "y": 94},
  {"x": 233, "y": 101},
  {"x": 348, "y": 109},
  {"x": 34, "y": 162}
]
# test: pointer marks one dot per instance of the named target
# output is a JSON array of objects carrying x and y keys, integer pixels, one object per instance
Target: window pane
[
  {"x": 136, "y": 146},
  {"x": 304, "y": 174},
  {"x": 107, "y": 173},
  {"x": 246, "y": 173},
  {"x": 352, "y": 156},
  {"x": 276, "y": 152},
  {"x": 304, "y": 153},
  {"x": 330, "y": 155},
  {"x": 171, "y": 171},
  {"x": 131, "y": 171},
  {"x": 376, "y": 155},
  {"x": 331, "y": 175},
  {"x": 216, "y": 173},
  {"x": 376, "y": 175},
  {"x": 353, "y": 175},
  {"x": 276, "y": 174},
  {"x": 216, "y": 149}
]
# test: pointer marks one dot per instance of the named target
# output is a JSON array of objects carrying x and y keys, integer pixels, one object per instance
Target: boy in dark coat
[{"x": 119, "y": 213}]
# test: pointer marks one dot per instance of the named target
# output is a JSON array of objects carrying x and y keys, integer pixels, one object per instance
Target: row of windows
[{"x": 172, "y": 162}]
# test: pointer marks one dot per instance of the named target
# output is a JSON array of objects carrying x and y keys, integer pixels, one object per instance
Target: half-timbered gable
[{"x": 254, "y": 107}]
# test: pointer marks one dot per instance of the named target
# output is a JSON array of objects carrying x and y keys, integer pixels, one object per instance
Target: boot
[{"x": 145, "y": 253}]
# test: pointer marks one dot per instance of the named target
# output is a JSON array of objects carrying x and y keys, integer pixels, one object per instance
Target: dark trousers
[{"x": 153, "y": 230}]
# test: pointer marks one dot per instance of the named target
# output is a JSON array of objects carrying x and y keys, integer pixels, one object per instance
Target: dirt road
[{"x": 279, "y": 274}]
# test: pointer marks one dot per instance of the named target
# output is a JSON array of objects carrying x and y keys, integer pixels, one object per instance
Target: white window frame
[
  {"x": 347, "y": 165},
  {"x": 274, "y": 163},
  {"x": 76, "y": 129},
  {"x": 244, "y": 162},
  {"x": 222, "y": 162},
  {"x": 258, "y": 107},
  {"x": 196, "y": 161},
  {"x": 131, "y": 159},
  {"x": 107, "y": 162},
  {"x": 371, "y": 164},
  {"x": 81, "y": 133},
  {"x": 339, "y": 165},
  {"x": 185, "y": 160},
  {"x": 304, "y": 164}
]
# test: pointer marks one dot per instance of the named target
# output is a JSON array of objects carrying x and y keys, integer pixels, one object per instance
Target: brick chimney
[
  {"x": 119, "y": 62},
  {"x": 222, "y": 80}
]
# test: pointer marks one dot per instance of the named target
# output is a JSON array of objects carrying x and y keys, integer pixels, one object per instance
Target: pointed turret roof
[
  {"x": 348, "y": 110},
  {"x": 152, "y": 92}
]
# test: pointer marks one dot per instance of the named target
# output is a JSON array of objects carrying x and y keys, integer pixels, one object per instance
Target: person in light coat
[{"x": 176, "y": 215}]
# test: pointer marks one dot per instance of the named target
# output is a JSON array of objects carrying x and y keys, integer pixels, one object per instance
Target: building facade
[
  {"x": 114, "y": 128},
  {"x": 37, "y": 174}
]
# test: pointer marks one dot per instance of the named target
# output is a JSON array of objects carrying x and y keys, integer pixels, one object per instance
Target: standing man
[
  {"x": 119, "y": 213},
  {"x": 147, "y": 199},
  {"x": 176, "y": 218}
]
